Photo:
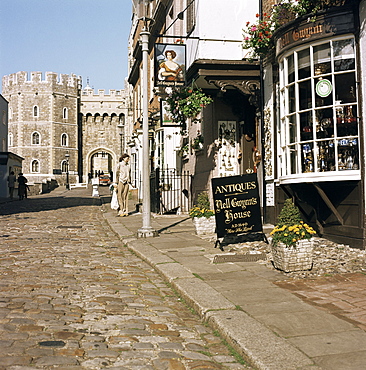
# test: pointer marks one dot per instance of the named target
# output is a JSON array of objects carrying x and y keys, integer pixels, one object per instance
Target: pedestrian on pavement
[
  {"x": 22, "y": 187},
  {"x": 123, "y": 176},
  {"x": 11, "y": 184}
]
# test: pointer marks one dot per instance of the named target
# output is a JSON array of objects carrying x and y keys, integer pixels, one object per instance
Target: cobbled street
[{"x": 73, "y": 297}]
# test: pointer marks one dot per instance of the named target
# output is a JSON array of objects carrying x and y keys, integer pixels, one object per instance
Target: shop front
[{"x": 319, "y": 136}]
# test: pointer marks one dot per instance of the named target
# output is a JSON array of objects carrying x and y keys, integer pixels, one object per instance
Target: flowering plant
[
  {"x": 202, "y": 209},
  {"x": 290, "y": 228},
  {"x": 258, "y": 36},
  {"x": 186, "y": 103}
]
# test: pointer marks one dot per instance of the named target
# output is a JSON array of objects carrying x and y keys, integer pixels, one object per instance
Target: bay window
[{"x": 318, "y": 132}]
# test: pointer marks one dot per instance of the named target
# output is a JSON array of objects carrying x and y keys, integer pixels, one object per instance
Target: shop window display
[{"x": 318, "y": 108}]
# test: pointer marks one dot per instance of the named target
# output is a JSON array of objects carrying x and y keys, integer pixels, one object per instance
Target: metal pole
[
  {"x": 146, "y": 230},
  {"x": 67, "y": 155}
]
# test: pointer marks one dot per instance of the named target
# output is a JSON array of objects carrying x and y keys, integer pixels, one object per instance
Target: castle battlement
[
  {"x": 88, "y": 91},
  {"x": 51, "y": 79}
]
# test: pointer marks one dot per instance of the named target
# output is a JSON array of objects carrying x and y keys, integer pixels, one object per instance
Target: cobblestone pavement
[{"x": 73, "y": 297}]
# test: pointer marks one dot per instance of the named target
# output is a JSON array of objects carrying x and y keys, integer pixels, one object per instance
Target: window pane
[
  {"x": 324, "y": 123},
  {"x": 322, "y": 59},
  {"x": 326, "y": 156},
  {"x": 343, "y": 53},
  {"x": 306, "y": 126},
  {"x": 322, "y": 100},
  {"x": 305, "y": 94},
  {"x": 348, "y": 154},
  {"x": 347, "y": 120},
  {"x": 307, "y": 158},
  {"x": 293, "y": 129},
  {"x": 304, "y": 63},
  {"x": 291, "y": 99},
  {"x": 346, "y": 87},
  {"x": 293, "y": 159},
  {"x": 291, "y": 69}
]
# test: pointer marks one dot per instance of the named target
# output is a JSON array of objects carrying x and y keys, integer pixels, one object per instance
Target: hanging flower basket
[
  {"x": 186, "y": 103},
  {"x": 295, "y": 258},
  {"x": 184, "y": 151},
  {"x": 197, "y": 143}
]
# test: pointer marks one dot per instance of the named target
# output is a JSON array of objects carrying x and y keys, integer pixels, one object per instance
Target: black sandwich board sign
[{"x": 237, "y": 205}]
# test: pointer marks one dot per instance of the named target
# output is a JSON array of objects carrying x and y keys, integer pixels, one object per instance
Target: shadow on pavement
[{"x": 45, "y": 202}]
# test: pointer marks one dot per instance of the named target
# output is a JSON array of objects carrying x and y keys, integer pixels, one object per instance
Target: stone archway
[{"x": 101, "y": 161}]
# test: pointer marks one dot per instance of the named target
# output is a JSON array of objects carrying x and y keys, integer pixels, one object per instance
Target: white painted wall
[{"x": 223, "y": 21}]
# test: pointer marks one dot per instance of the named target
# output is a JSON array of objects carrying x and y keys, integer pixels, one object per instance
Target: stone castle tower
[
  {"x": 43, "y": 123},
  {"x": 58, "y": 128}
]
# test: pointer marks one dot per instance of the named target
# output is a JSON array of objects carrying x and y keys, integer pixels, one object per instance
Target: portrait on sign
[{"x": 169, "y": 66}]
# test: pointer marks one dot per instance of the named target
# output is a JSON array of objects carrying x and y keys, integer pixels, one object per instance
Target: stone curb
[{"x": 251, "y": 339}]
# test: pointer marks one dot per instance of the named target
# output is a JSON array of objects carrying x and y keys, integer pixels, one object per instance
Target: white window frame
[
  {"x": 64, "y": 166},
  {"x": 286, "y": 149},
  {"x": 35, "y": 166},
  {"x": 35, "y": 111},
  {"x": 64, "y": 142},
  {"x": 38, "y": 136}
]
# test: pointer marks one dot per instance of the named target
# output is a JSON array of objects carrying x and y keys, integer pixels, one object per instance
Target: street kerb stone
[
  {"x": 173, "y": 271},
  {"x": 148, "y": 253},
  {"x": 201, "y": 296},
  {"x": 255, "y": 342}
]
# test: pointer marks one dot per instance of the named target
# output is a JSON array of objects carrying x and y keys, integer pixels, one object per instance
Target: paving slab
[{"x": 332, "y": 343}]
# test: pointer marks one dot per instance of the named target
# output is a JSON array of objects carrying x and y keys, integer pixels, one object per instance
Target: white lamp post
[{"x": 146, "y": 230}]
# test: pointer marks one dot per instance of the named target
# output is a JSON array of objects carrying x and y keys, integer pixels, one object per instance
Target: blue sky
[{"x": 85, "y": 37}]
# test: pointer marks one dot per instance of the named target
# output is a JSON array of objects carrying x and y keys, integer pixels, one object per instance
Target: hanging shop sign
[
  {"x": 166, "y": 118},
  {"x": 169, "y": 65},
  {"x": 237, "y": 205}
]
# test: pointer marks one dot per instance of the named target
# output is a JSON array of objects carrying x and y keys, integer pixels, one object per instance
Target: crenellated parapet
[
  {"x": 37, "y": 81},
  {"x": 102, "y": 94}
]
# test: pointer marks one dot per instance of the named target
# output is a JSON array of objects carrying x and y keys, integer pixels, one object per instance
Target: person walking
[
  {"x": 123, "y": 176},
  {"x": 11, "y": 184},
  {"x": 22, "y": 187}
]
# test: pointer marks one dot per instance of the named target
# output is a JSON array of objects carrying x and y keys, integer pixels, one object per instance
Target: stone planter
[
  {"x": 204, "y": 226},
  {"x": 297, "y": 258}
]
